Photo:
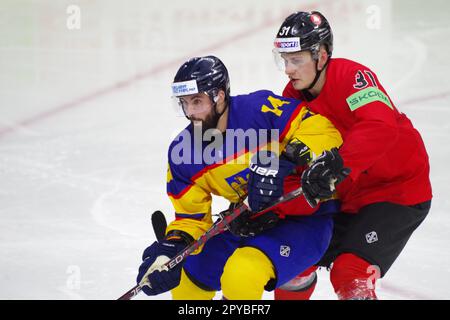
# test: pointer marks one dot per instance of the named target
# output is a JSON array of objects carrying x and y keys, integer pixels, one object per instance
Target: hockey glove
[
  {"x": 155, "y": 278},
  {"x": 298, "y": 153},
  {"x": 265, "y": 183},
  {"x": 320, "y": 179},
  {"x": 249, "y": 225}
]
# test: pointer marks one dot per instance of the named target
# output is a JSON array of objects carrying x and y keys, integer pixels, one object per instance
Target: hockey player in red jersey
[{"x": 388, "y": 192}]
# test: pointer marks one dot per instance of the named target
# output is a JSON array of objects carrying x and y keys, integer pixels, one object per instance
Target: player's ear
[
  {"x": 221, "y": 100},
  {"x": 323, "y": 57}
]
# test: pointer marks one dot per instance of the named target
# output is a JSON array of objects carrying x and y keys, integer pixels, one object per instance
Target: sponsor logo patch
[
  {"x": 184, "y": 88},
  {"x": 366, "y": 96},
  {"x": 371, "y": 237},
  {"x": 287, "y": 44},
  {"x": 285, "y": 251}
]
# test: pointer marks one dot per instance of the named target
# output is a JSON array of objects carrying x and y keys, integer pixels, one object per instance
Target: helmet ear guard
[
  {"x": 315, "y": 51},
  {"x": 215, "y": 96}
]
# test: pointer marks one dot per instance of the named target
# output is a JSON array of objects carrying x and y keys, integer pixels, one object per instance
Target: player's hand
[
  {"x": 298, "y": 153},
  {"x": 154, "y": 277},
  {"x": 249, "y": 225},
  {"x": 320, "y": 179},
  {"x": 265, "y": 183}
]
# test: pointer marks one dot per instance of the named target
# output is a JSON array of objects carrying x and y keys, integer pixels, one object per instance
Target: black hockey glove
[
  {"x": 298, "y": 153},
  {"x": 249, "y": 225},
  {"x": 320, "y": 179}
]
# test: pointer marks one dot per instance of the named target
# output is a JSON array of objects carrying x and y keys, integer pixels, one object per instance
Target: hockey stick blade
[
  {"x": 159, "y": 224},
  {"x": 218, "y": 227}
]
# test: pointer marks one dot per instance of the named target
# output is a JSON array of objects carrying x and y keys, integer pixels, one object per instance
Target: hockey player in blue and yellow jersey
[{"x": 230, "y": 149}]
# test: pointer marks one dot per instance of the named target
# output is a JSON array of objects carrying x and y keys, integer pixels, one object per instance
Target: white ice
[{"x": 86, "y": 121}]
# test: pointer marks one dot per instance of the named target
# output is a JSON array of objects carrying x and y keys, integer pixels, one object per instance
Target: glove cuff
[
  {"x": 298, "y": 152},
  {"x": 179, "y": 236}
]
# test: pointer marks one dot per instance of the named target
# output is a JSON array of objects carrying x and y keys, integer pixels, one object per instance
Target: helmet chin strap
[
  {"x": 316, "y": 78},
  {"x": 318, "y": 73}
]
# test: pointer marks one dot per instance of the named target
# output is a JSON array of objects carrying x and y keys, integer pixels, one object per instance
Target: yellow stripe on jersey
[{"x": 169, "y": 174}]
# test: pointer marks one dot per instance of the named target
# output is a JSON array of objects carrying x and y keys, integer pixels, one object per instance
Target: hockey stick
[{"x": 218, "y": 227}]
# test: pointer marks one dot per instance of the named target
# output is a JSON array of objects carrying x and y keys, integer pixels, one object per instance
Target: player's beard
[{"x": 210, "y": 122}]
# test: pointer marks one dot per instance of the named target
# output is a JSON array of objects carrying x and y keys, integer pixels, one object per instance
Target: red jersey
[{"x": 385, "y": 153}]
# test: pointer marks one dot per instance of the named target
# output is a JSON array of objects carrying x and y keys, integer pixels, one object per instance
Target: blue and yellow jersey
[{"x": 220, "y": 166}]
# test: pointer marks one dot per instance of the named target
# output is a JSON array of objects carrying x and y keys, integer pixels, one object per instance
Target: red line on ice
[
  {"x": 159, "y": 68},
  {"x": 140, "y": 76}
]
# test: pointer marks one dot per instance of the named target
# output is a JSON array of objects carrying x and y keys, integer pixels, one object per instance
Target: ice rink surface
[{"x": 86, "y": 120}]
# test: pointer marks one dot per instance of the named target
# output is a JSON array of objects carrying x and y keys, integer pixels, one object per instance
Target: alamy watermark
[
  {"x": 375, "y": 276},
  {"x": 212, "y": 147},
  {"x": 73, "y": 21},
  {"x": 73, "y": 281},
  {"x": 373, "y": 21}
]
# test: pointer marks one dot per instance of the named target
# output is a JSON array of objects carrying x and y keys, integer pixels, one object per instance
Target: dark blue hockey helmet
[
  {"x": 205, "y": 75},
  {"x": 303, "y": 31},
  {"x": 201, "y": 74}
]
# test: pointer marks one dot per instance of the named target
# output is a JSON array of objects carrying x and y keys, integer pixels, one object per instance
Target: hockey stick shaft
[{"x": 218, "y": 227}]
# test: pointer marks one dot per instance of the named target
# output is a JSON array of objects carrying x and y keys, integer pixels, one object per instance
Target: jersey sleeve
[
  {"x": 295, "y": 121},
  {"x": 192, "y": 203},
  {"x": 375, "y": 128},
  {"x": 316, "y": 132}
]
